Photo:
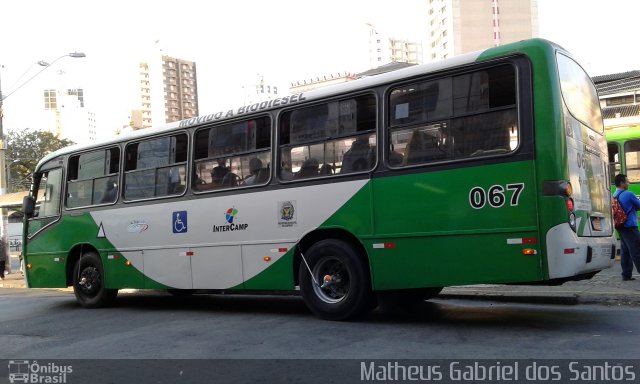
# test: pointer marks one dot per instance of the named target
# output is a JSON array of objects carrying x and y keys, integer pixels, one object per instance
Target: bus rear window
[{"x": 579, "y": 93}]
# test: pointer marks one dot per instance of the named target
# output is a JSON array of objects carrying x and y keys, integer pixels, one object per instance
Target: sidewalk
[
  {"x": 606, "y": 287},
  {"x": 15, "y": 279}
]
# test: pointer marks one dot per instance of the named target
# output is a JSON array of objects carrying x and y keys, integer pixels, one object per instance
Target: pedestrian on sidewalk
[
  {"x": 629, "y": 234},
  {"x": 3, "y": 260}
]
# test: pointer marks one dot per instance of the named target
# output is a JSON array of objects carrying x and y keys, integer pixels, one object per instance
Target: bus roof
[
  {"x": 623, "y": 133},
  {"x": 333, "y": 90}
]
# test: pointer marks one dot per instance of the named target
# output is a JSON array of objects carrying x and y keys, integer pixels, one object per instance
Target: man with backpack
[{"x": 628, "y": 231}]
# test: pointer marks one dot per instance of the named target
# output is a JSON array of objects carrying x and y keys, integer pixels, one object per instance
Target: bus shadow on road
[
  {"x": 437, "y": 311},
  {"x": 222, "y": 303},
  {"x": 487, "y": 314}
]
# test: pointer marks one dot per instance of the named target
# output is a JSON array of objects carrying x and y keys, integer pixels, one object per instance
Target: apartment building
[
  {"x": 460, "y": 26},
  {"x": 168, "y": 92}
]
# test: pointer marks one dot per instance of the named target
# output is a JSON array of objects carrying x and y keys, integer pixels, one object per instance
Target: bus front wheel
[
  {"x": 340, "y": 288},
  {"x": 88, "y": 282}
]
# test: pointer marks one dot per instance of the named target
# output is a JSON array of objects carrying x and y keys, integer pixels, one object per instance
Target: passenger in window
[
  {"x": 255, "y": 166},
  {"x": 309, "y": 169},
  {"x": 111, "y": 194},
  {"x": 326, "y": 169},
  {"x": 358, "y": 157},
  {"x": 175, "y": 184},
  {"x": 230, "y": 180},
  {"x": 219, "y": 172},
  {"x": 285, "y": 171},
  {"x": 422, "y": 148}
]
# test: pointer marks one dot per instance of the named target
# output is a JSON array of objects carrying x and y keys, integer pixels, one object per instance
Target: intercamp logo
[{"x": 24, "y": 371}]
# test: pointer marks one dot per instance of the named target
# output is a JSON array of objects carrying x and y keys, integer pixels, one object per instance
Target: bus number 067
[{"x": 495, "y": 195}]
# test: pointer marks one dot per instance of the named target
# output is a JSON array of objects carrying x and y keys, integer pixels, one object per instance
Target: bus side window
[
  {"x": 156, "y": 167},
  {"x": 223, "y": 155},
  {"x": 328, "y": 139},
  {"x": 614, "y": 160},
  {"x": 92, "y": 178}
]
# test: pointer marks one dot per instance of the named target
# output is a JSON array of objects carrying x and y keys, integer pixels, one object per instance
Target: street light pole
[{"x": 3, "y": 149}]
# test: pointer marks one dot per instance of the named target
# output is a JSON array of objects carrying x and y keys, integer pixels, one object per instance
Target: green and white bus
[
  {"x": 624, "y": 154},
  {"x": 490, "y": 167}
]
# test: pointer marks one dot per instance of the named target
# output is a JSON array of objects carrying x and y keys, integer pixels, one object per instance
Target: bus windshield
[{"x": 579, "y": 93}]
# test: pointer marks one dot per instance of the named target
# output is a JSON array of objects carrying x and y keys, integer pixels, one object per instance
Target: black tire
[
  {"x": 347, "y": 294},
  {"x": 88, "y": 282}
]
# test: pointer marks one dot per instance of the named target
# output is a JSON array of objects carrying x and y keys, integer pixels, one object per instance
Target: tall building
[
  {"x": 460, "y": 26},
  {"x": 384, "y": 49},
  {"x": 259, "y": 90},
  {"x": 168, "y": 92},
  {"x": 64, "y": 114}
]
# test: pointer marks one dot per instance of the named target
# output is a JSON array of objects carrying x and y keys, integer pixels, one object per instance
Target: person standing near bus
[
  {"x": 629, "y": 234},
  {"x": 3, "y": 260}
]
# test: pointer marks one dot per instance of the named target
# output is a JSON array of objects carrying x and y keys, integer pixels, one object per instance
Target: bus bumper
[{"x": 569, "y": 255}]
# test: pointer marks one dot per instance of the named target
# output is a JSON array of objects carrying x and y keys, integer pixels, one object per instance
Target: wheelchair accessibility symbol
[{"x": 179, "y": 220}]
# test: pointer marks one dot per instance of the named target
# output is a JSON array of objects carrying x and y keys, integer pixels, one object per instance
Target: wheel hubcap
[
  {"x": 89, "y": 281},
  {"x": 334, "y": 280}
]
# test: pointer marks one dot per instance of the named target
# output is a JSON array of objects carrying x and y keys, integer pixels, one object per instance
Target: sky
[{"x": 231, "y": 42}]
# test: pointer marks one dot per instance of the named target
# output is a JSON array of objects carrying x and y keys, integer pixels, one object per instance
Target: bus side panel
[
  {"x": 458, "y": 226},
  {"x": 277, "y": 277},
  {"x": 48, "y": 253},
  {"x": 437, "y": 261},
  {"x": 48, "y": 270}
]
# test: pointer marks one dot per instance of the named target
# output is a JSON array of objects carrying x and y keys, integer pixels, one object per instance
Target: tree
[{"x": 24, "y": 149}]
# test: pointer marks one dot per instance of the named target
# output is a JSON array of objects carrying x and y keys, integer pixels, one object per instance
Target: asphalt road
[{"x": 48, "y": 324}]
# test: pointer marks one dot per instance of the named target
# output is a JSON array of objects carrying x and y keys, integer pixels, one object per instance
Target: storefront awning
[{"x": 12, "y": 200}]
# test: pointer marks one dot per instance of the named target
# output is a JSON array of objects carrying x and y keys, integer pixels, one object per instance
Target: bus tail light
[
  {"x": 572, "y": 214},
  {"x": 29, "y": 266},
  {"x": 568, "y": 191}
]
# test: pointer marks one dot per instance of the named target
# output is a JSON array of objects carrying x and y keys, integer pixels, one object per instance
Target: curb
[
  {"x": 568, "y": 299},
  {"x": 9, "y": 285}
]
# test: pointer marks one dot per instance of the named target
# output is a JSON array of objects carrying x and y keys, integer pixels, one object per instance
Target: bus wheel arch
[
  {"x": 72, "y": 259},
  {"x": 336, "y": 282},
  {"x": 322, "y": 234},
  {"x": 88, "y": 280}
]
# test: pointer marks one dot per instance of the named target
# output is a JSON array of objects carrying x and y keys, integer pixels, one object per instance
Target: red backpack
[{"x": 619, "y": 215}]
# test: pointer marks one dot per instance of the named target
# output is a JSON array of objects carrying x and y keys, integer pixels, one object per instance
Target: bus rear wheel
[
  {"x": 340, "y": 288},
  {"x": 88, "y": 282}
]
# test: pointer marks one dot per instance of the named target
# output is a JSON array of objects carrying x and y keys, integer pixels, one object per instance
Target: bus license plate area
[
  {"x": 596, "y": 253},
  {"x": 596, "y": 223}
]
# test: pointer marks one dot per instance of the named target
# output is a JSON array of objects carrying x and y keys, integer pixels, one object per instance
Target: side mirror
[{"x": 28, "y": 206}]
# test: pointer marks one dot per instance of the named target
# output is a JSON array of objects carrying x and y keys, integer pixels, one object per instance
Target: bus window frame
[
  {"x": 240, "y": 154},
  {"x": 325, "y": 101},
  {"x": 123, "y": 161},
  {"x": 516, "y": 62},
  {"x": 50, "y": 166},
  {"x": 118, "y": 175},
  {"x": 624, "y": 167},
  {"x": 620, "y": 163}
]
